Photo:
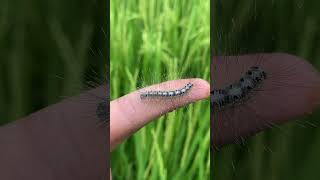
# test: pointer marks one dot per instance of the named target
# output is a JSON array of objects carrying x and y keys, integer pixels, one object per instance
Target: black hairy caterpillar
[
  {"x": 289, "y": 92},
  {"x": 290, "y": 79},
  {"x": 239, "y": 90}
]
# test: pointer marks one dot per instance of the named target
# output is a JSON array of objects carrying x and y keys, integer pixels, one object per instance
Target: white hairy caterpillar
[{"x": 171, "y": 93}]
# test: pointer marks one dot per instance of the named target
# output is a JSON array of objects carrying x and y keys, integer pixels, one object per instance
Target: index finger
[{"x": 129, "y": 113}]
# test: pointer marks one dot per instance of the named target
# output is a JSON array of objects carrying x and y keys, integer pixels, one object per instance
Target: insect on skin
[
  {"x": 172, "y": 93},
  {"x": 254, "y": 92},
  {"x": 238, "y": 91}
]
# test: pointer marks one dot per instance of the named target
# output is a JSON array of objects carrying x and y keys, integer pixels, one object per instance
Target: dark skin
[{"x": 62, "y": 141}]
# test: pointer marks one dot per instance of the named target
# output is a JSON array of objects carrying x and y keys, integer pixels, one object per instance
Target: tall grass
[
  {"x": 154, "y": 41},
  {"x": 40, "y": 41},
  {"x": 291, "y": 151}
]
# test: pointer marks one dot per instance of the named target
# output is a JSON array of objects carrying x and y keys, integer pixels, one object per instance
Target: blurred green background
[
  {"x": 154, "y": 41},
  {"x": 48, "y": 49},
  {"x": 292, "y": 26}
]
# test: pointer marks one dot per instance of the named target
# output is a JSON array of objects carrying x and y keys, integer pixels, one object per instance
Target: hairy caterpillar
[
  {"x": 290, "y": 90},
  {"x": 286, "y": 151},
  {"x": 237, "y": 91},
  {"x": 171, "y": 93},
  {"x": 290, "y": 79}
]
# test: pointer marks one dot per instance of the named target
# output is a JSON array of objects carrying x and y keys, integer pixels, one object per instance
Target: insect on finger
[{"x": 165, "y": 94}]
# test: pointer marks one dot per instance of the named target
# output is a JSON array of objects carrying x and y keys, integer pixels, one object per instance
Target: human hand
[{"x": 129, "y": 113}]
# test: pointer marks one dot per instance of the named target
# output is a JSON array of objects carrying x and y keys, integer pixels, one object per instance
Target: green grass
[
  {"x": 153, "y": 41},
  {"x": 291, "y": 152}
]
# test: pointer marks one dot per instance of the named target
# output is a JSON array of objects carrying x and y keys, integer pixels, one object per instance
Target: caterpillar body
[
  {"x": 249, "y": 91},
  {"x": 172, "y": 93},
  {"x": 236, "y": 92}
]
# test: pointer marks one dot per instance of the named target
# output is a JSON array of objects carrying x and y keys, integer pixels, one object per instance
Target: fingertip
[{"x": 201, "y": 89}]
